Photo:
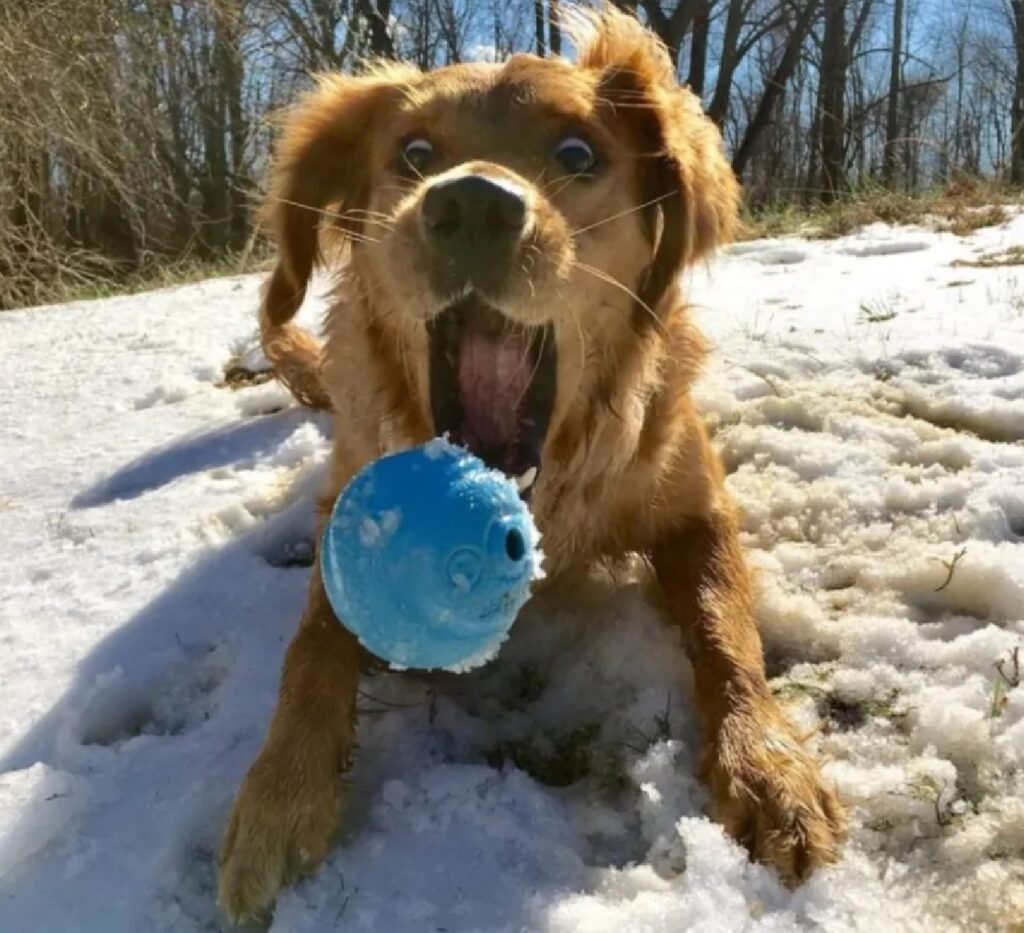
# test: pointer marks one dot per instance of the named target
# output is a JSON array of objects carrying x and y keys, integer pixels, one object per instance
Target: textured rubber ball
[{"x": 428, "y": 557}]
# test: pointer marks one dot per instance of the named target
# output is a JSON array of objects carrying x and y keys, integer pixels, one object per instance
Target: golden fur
[{"x": 627, "y": 466}]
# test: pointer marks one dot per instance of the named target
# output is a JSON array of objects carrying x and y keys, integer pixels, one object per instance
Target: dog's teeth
[{"x": 525, "y": 481}]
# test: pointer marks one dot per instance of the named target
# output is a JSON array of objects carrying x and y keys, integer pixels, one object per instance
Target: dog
[{"x": 515, "y": 235}]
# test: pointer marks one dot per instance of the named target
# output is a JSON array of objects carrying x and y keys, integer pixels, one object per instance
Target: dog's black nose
[{"x": 474, "y": 211}]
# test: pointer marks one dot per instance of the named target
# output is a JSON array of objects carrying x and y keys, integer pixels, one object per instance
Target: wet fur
[{"x": 627, "y": 466}]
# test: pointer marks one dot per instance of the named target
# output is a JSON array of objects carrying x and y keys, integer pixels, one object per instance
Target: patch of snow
[
  {"x": 167, "y": 393},
  {"x": 479, "y": 658},
  {"x": 779, "y": 257},
  {"x": 153, "y": 568},
  {"x": 439, "y": 447},
  {"x": 36, "y": 805},
  {"x": 263, "y": 399},
  {"x": 886, "y": 248}
]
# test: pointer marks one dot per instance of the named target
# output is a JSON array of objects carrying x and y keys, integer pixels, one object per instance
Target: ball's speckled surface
[{"x": 428, "y": 557}]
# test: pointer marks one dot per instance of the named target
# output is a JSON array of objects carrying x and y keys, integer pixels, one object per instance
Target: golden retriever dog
[{"x": 515, "y": 236}]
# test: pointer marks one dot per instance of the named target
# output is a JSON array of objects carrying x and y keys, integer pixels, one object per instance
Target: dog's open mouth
[{"x": 492, "y": 386}]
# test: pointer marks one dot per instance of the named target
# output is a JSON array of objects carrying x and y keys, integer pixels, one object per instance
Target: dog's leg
[
  {"x": 289, "y": 805},
  {"x": 766, "y": 789}
]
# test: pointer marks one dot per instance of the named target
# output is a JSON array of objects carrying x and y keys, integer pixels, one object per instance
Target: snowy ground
[{"x": 868, "y": 397}]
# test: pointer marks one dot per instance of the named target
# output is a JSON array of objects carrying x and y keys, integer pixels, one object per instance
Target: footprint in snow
[
  {"x": 780, "y": 257},
  {"x": 167, "y": 393},
  {"x": 884, "y": 248},
  {"x": 183, "y": 699}
]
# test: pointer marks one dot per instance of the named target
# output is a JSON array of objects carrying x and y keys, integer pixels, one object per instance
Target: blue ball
[{"x": 428, "y": 557}]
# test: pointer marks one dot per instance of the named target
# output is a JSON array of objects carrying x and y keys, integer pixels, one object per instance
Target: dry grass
[
  {"x": 167, "y": 275},
  {"x": 108, "y": 282},
  {"x": 1014, "y": 256},
  {"x": 238, "y": 376},
  {"x": 961, "y": 208}
]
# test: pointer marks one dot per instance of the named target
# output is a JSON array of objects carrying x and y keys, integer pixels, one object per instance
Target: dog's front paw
[
  {"x": 769, "y": 794},
  {"x": 281, "y": 827}
]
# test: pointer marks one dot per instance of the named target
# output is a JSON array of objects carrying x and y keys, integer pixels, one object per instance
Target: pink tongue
[{"x": 494, "y": 375}]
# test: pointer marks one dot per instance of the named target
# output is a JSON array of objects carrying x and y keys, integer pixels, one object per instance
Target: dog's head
[{"x": 515, "y": 229}]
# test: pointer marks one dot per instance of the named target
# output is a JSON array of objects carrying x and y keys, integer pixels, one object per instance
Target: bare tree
[
  {"x": 315, "y": 32},
  {"x": 554, "y": 27},
  {"x": 806, "y": 14},
  {"x": 892, "y": 121},
  {"x": 670, "y": 26},
  {"x": 134, "y": 133},
  {"x": 834, "y": 62},
  {"x": 377, "y": 16},
  {"x": 1017, "y": 107},
  {"x": 701, "y": 33},
  {"x": 747, "y": 24}
]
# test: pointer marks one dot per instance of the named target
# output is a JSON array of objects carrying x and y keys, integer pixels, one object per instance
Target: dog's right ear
[{"x": 319, "y": 174}]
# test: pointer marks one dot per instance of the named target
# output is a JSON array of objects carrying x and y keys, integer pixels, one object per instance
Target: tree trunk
[
  {"x": 834, "y": 58},
  {"x": 958, "y": 120},
  {"x": 538, "y": 21},
  {"x": 554, "y": 27},
  {"x": 377, "y": 14},
  {"x": 699, "y": 48},
  {"x": 206, "y": 85},
  {"x": 229, "y": 64},
  {"x": 857, "y": 33},
  {"x": 719, "y": 108},
  {"x": 892, "y": 119},
  {"x": 1017, "y": 112},
  {"x": 670, "y": 27},
  {"x": 811, "y": 192}
]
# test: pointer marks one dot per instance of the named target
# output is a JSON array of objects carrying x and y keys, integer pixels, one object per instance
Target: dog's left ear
[{"x": 685, "y": 176}]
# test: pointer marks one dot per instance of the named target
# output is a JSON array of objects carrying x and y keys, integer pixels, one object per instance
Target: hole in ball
[{"x": 515, "y": 546}]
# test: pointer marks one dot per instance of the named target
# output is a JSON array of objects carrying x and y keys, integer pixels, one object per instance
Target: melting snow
[{"x": 868, "y": 400}]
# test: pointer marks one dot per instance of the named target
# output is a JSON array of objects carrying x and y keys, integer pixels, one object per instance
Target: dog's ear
[
  {"x": 684, "y": 174},
  {"x": 321, "y": 161},
  {"x": 319, "y": 178}
]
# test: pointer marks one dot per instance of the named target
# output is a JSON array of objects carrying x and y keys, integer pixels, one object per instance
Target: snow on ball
[{"x": 428, "y": 557}]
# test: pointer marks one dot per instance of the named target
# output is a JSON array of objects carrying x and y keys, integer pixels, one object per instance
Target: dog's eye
[
  {"x": 576, "y": 156},
  {"x": 417, "y": 153}
]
